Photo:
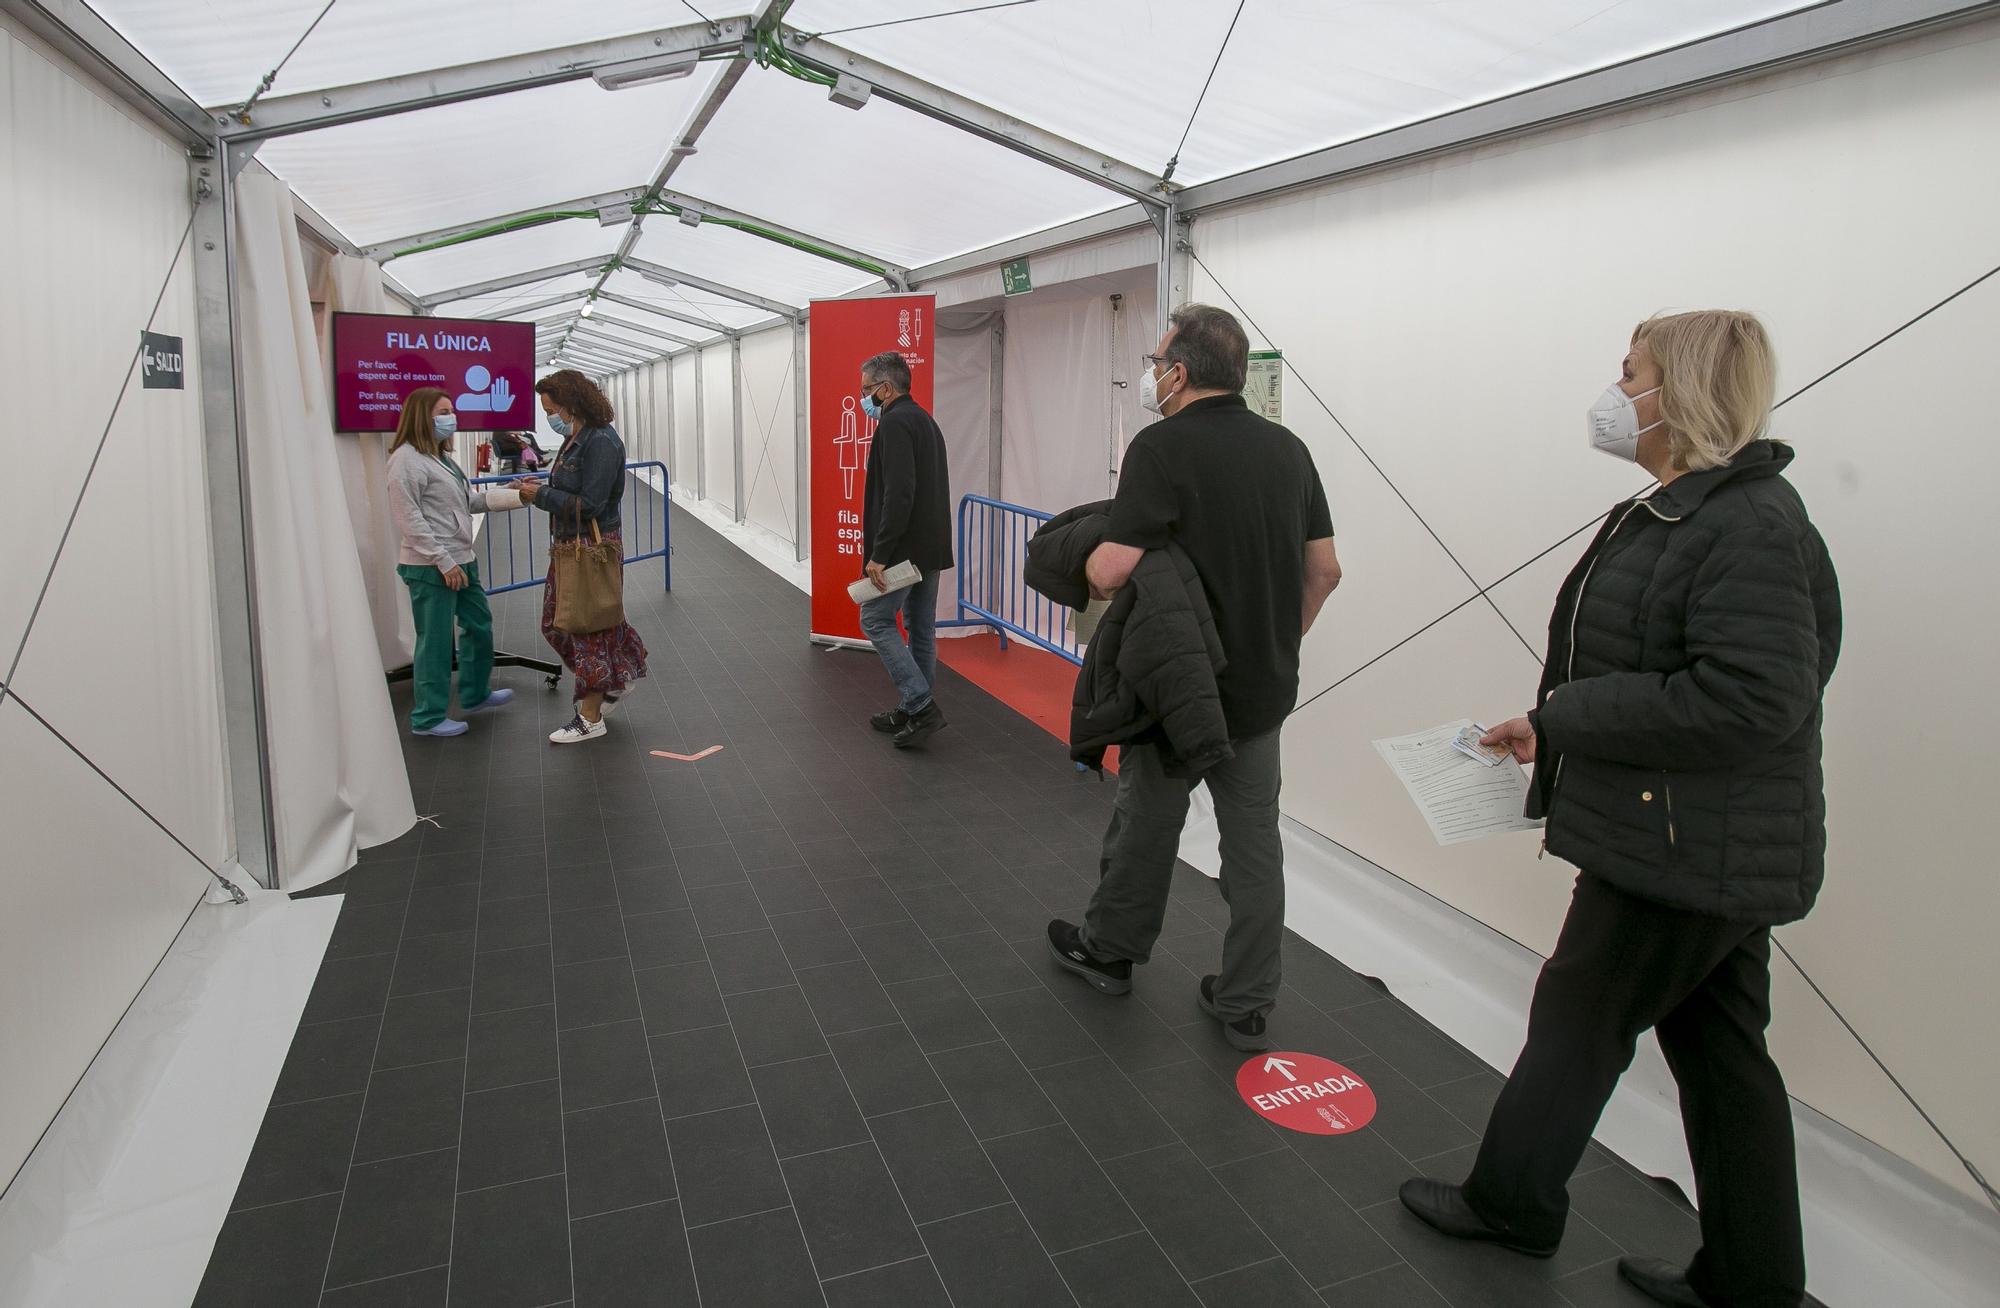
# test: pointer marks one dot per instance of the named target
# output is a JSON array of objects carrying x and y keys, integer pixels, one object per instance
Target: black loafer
[
  {"x": 1066, "y": 944},
  {"x": 1442, "y": 1206},
  {"x": 1661, "y": 1281}
]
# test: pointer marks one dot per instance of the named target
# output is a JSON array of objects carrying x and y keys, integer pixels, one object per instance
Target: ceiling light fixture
[{"x": 644, "y": 72}]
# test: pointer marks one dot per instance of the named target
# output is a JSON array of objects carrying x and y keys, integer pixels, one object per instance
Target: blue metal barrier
[
  {"x": 646, "y": 533},
  {"x": 992, "y": 551}
]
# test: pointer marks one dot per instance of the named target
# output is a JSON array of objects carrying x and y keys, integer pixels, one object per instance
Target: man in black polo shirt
[
  {"x": 905, "y": 517},
  {"x": 1240, "y": 495}
]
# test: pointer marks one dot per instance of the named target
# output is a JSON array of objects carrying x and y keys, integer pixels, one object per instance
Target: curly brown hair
[{"x": 576, "y": 395}]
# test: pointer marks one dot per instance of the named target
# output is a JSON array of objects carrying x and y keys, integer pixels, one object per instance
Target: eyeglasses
[{"x": 1152, "y": 361}]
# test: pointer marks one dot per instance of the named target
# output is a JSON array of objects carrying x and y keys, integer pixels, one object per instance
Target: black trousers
[{"x": 1622, "y": 965}]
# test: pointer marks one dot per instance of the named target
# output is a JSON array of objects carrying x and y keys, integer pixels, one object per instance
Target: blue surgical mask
[
  {"x": 445, "y": 425},
  {"x": 557, "y": 425},
  {"x": 870, "y": 407}
]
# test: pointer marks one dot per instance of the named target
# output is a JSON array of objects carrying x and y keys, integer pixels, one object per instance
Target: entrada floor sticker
[
  {"x": 688, "y": 758},
  {"x": 1304, "y": 1092}
]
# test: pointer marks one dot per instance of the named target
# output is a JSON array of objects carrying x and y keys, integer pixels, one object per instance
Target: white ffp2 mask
[
  {"x": 1614, "y": 423},
  {"x": 1149, "y": 394}
]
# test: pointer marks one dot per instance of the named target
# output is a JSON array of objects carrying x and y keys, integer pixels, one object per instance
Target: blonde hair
[
  {"x": 414, "y": 426},
  {"x": 1718, "y": 377}
]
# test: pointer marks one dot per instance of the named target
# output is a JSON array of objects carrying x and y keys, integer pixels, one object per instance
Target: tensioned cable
[
  {"x": 1986, "y": 1188},
  {"x": 1501, "y": 581},
  {"x": 764, "y": 453},
  {"x": 165, "y": 830},
  {"x": 1421, "y": 520},
  {"x": 1167, "y": 175},
  {"x": 697, "y": 13},
  {"x": 1992, "y": 1195},
  {"x": 99, "y": 1053},
  {"x": 272, "y": 76},
  {"x": 918, "y": 18},
  {"x": 104, "y": 437}
]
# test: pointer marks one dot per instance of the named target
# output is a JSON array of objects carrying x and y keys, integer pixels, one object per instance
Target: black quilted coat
[
  {"x": 1149, "y": 672},
  {"x": 1678, "y": 728}
]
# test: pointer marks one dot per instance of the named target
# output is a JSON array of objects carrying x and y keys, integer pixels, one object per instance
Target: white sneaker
[
  {"x": 604, "y": 709},
  {"x": 578, "y": 731}
]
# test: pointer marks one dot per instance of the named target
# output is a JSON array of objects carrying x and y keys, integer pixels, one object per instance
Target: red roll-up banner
[{"x": 841, "y": 335}]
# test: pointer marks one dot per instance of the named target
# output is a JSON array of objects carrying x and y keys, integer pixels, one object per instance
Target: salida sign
[
  {"x": 1304, "y": 1092},
  {"x": 844, "y": 333},
  {"x": 486, "y": 367}
]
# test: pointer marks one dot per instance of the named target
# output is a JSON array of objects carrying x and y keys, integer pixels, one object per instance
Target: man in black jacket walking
[
  {"x": 1240, "y": 497},
  {"x": 905, "y": 517}
]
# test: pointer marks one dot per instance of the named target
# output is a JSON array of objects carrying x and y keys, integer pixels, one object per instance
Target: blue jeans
[{"x": 913, "y": 667}]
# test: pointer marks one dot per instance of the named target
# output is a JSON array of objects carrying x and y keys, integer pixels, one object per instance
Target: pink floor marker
[{"x": 688, "y": 758}]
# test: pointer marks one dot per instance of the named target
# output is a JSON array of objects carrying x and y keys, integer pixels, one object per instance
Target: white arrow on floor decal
[{"x": 1280, "y": 1065}]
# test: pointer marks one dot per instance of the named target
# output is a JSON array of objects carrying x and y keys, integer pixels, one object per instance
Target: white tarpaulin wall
[
  {"x": 1459, "y": 324},
  {"x": 685, "y": 429},
  {"x": 718, "y": 440},
  {"x": 1456, "y": 314},
  {"x": 770, "y": 424},
  {"x": 121, "y": 661}
]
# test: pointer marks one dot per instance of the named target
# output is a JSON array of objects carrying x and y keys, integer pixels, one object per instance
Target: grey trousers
[{"x": 1137, "y": 868}]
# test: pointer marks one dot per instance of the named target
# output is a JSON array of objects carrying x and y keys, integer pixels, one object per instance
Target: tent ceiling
[
  {"x": 1123, "y": 76},
  {"x": 883, "y": 179},
  {"x": 219, "y": 49},
  {"x": 477, "y": 159},
  {"x": 1118, "y": 78}
]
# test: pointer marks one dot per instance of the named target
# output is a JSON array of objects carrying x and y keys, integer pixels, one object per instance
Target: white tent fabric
[
  {"x": 337, "y": 776},
  {"x": 121, "y": 660},
  {"x": 393, "y": 177},
  {"x": 1123, "y": 76},
  {"x": 770, "y": 452},
  {"x": 718, "y": 441},
  {"x": 1516, "y": 243},
  {"x": 886, "y": 180},
  {"x": 355, "y": 286}
]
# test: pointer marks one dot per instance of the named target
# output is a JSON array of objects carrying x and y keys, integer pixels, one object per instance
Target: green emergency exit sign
[{"x": 1014, "y": 278}]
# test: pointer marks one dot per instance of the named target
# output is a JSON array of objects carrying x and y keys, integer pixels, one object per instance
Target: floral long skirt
[{"x": 605, "y": 662}]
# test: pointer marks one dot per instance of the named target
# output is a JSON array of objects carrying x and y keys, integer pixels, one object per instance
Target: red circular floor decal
[{"x": 1304, "y": 1092}]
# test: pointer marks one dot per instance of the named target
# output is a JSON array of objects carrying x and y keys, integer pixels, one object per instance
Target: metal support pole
[
  {"x": 700, "y": 424},
  {"x": 672, "y": 424},
  {"x": 232, "y": 554},
  {"x": 801, "y": 448},
  {"x": 1164, "y": 287},
  {"x": 995, "y": 396},
  {"x": 736, "y": 420}
]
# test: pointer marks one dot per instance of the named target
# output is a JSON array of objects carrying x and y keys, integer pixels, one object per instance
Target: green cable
[
  {"x": 781, "y": 238},
  {"x": 520, "y": 223}
]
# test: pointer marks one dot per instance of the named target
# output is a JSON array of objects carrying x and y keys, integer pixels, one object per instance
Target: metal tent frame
[{"x": 221, "y": 141}]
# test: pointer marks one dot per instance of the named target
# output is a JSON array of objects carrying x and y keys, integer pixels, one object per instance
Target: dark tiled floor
[{"x": 778, "y": 1028}]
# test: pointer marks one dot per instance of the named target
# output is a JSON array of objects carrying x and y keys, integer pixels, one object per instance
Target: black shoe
[
  {"x": 922, "y": 725},
  {"x": 1661, "y": 1281},
  {"x": 891, "y": 722},
  {"x": 1066, "y": 943},
  {"x": 1443, "y": 1207},
  {"x": 1245, "y": 1033}
]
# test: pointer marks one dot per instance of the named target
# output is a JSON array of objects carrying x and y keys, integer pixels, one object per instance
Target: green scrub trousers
[{"x": 435, "y": 606}]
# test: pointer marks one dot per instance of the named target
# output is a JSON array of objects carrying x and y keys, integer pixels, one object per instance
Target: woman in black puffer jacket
[{"x": 1676, "y": 743}]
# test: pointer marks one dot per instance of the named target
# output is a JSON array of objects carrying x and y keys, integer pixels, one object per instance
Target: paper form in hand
[{"x": 1461, "y": 798}]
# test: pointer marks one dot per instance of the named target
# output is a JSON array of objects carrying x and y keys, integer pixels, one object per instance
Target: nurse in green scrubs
[{"x": 432, "y": 505}]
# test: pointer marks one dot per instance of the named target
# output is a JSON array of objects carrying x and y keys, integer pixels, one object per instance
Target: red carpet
[{"x": 1033, "y": 682}]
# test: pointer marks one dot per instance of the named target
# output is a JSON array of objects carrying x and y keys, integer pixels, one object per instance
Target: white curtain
[
  {"x": 1065, "y": 419},
  {"x": 338, "y": 778},
  {"x": 965, "y": 401},
  {"x": 353, "y": 285}
]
